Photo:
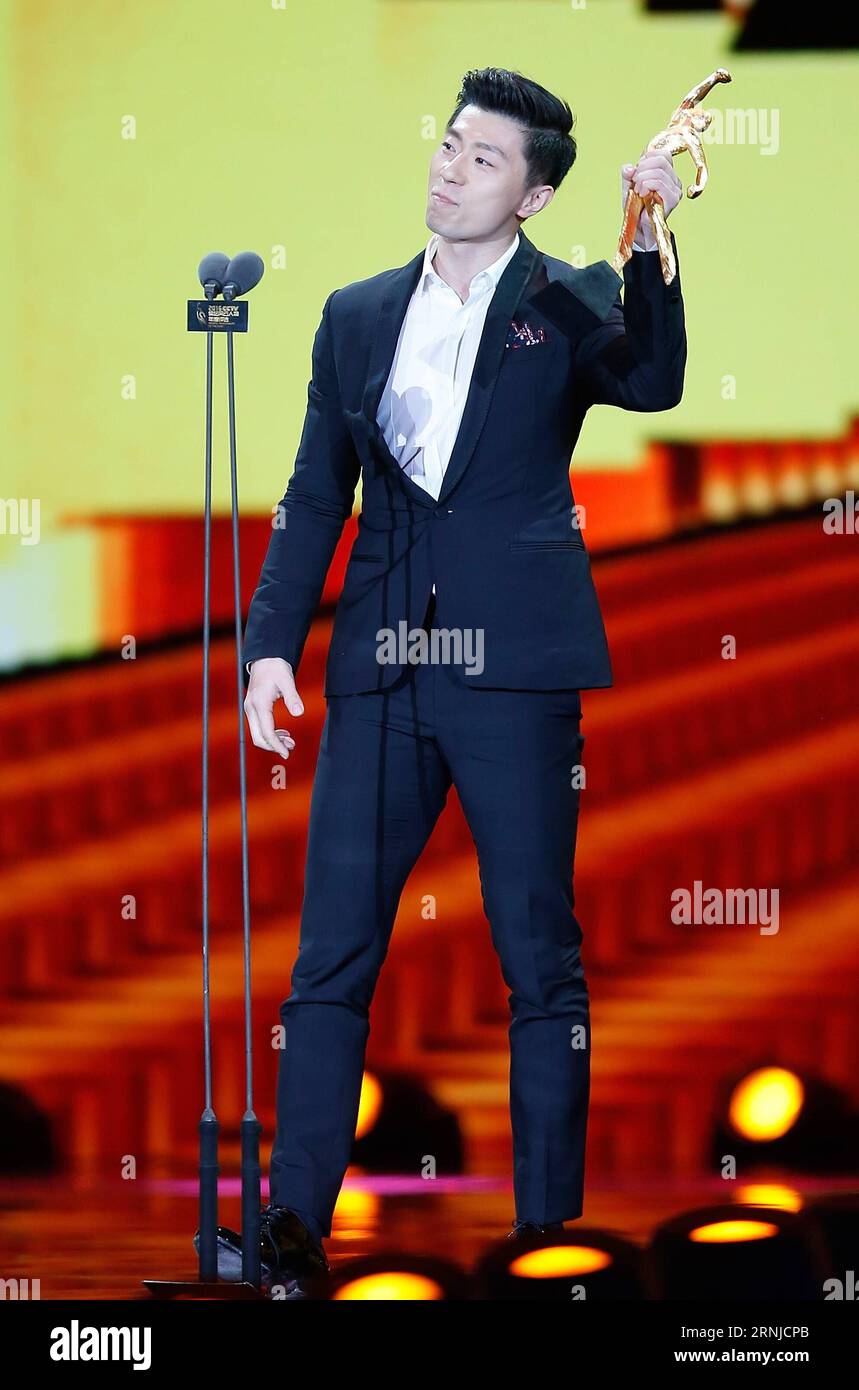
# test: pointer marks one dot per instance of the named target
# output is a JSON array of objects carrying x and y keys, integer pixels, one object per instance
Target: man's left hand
[{"x": 655, "y": 171}]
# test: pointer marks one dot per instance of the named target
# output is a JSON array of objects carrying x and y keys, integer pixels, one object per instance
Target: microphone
[
  {"x": 243, "y": 272},
  {"x": 212, "y": 272}
]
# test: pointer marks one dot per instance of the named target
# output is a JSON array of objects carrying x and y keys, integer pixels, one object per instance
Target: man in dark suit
[{"x": 456, "y": 386}]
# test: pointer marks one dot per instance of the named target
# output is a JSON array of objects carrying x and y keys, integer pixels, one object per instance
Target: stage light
[
  {"x": 776, "y": 1119},
  {"x": 559, "y": 1261},
  {"x": 582, "y": 1264},
  {"x": 766, "y": 1103},
  {"x": 369, "y": 1105},
  {"x": 356, "y": 1212},
  {"x": 397, "y": 1277},
  {"x": 393, "y": 1286},
  {"x": 770, "y": 1194},
  {"x": 734, "y": 1252},
  {"x": 554, "y": 1261},
  {"x": 403, "y": 1127},
  {"x": 724, "y": 1232}
]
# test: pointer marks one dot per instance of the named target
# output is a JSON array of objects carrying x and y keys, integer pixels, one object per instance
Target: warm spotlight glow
[
  {"x": 393, "y": 1286},
  {"x": 559, "y": 1261},
  {"x": 369, "y": 1105},
  {"x": 726, "y": 1232},
  {"x": 766, "y": 1103},
  {"x": 770, "y": 1195},
  {"x": 356, "y": 1210}
]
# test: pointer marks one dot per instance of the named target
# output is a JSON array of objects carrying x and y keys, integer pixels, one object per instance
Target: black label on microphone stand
[{"x": 219, "y": 316}]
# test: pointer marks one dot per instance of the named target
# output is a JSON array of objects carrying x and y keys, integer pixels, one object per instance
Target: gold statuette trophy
[{"x": 683, "y": 132}]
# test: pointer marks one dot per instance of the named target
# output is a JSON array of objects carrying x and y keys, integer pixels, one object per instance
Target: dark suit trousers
[{"x": 386, "y": 762}]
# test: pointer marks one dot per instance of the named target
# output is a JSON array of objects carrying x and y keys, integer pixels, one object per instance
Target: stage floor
[{"x": 94, "y": 1237}]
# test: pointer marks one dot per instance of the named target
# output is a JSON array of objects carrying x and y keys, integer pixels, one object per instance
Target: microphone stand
[
  {"x": 250, "y": 1125},
  {"x": 229, "y": 317}
]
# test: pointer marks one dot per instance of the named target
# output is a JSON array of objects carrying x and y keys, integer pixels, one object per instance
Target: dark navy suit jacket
[{"x": 500, "y": 543}]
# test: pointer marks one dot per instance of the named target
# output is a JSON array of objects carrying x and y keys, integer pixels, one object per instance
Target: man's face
[{"x": 479, "y": 169}]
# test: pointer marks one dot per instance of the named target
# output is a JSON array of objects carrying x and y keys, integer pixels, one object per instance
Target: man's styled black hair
[{"x": 549, "y": 147}]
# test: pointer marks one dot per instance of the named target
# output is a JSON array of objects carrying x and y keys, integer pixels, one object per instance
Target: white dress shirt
[{"x": 421, "y": 407}]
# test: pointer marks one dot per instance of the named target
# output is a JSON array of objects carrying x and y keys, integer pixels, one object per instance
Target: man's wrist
[{"x": 249, "y": 664}]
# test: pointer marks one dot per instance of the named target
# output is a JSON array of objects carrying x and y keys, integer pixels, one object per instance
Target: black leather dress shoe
[
  {"x": 528, "y": 1228},
  {"x": 289, "y": 1256}
]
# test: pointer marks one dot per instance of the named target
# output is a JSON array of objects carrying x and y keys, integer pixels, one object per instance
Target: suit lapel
[
  {"x": 400, "y": 289},
  {"x": 487, "y": 363},
  {"x": 589, "y": 284},
  {"x": 391, "y": 314}
]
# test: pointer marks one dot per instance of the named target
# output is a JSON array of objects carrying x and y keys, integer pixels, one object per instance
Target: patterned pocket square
[{"x": 523, "y": 335}]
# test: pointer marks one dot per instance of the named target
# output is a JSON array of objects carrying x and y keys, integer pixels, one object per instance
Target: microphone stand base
[{"x": 193, "y": 1288}]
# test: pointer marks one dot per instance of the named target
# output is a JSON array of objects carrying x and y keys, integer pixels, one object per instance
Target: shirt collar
[{"x": 491, "y": 275}]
